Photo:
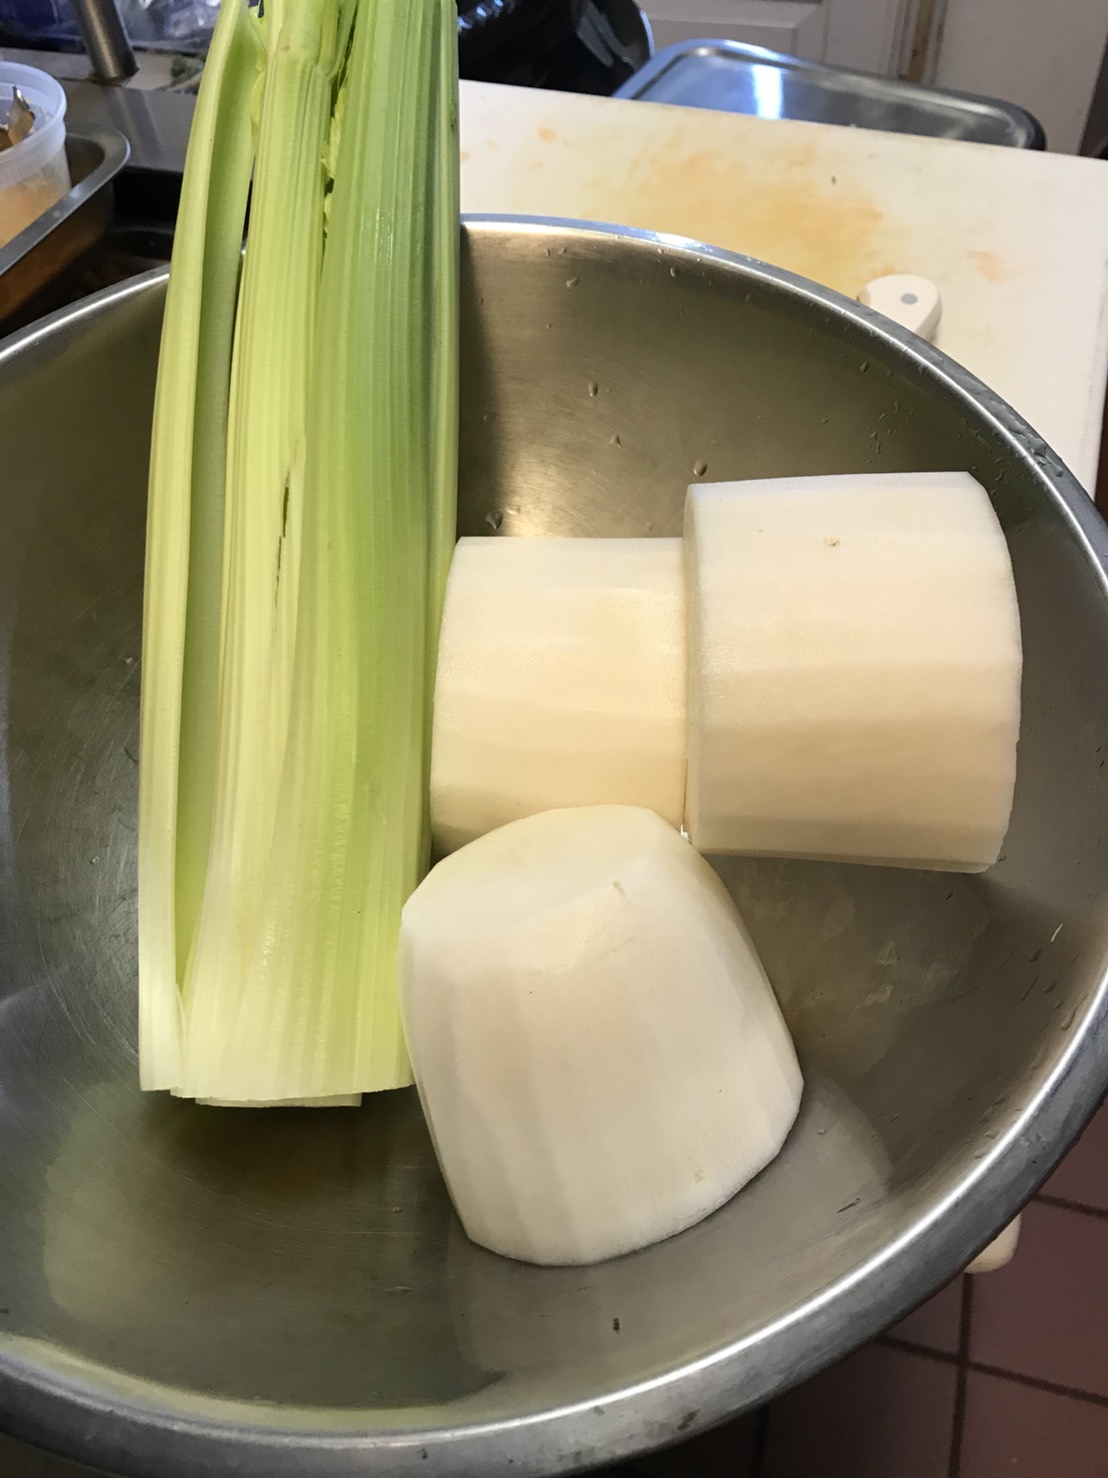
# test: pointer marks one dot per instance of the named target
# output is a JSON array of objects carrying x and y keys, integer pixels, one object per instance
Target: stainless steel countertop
[{"x": 156, "y": 124}]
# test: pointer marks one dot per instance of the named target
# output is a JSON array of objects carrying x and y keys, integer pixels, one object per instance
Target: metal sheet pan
[
  {"x": 47, "y": 246},
  {"x": 734, "y": 78}
]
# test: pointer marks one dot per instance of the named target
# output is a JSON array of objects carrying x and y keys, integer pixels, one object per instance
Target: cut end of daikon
[
  {"x": 561, "y": 682},
  {"x": 600, "y": 1057},
  {"x": 854, "y": 667}
]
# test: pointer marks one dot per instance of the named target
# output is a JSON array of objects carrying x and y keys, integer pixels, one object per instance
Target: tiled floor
[{"x": 1000, "y": 1376}]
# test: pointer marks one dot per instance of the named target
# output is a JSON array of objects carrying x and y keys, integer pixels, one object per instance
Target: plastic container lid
[{"x": 46, "y": 139}]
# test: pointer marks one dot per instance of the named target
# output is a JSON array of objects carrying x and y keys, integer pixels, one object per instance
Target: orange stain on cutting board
[
  {"x": 990, "y": 265},
  {"x": 797, "y": 218}
]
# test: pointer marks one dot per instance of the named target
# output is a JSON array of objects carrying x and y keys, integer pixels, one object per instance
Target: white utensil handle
[
  {"x": 999, "y": 1252},
  {"x": 911, "y": 301}
]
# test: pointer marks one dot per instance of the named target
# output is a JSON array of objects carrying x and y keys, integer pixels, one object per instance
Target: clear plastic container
[{"x": 34, "y": 175}]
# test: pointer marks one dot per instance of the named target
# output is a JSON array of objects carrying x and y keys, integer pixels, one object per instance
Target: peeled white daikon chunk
[
  {"x": 561, "y": 681},
  {"x": 855, "y": 659},
  {"x": 599, "y": 1055}
]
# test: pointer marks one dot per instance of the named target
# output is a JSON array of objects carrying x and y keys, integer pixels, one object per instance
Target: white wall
[
  {"x": 866, "y": 35},
  {"x": 1043, "y": 54},
  {"x": 793, "y": 26}
]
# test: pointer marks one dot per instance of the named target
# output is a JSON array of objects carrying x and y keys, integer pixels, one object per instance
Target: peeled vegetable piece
[
  {"x": 854, "y": 652},
  {"x": 600, "y": 1057},
  {"x": 561, "y": 681}
]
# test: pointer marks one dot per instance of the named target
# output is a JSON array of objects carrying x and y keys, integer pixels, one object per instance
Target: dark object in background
[
  {"x": 181, "y": 26},
  {"x": 1094, "y": 141},
  {"x": 569, "y": 45}
]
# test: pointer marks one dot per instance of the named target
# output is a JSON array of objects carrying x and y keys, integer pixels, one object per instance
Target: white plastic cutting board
[{"x": 1016, "y": 242}]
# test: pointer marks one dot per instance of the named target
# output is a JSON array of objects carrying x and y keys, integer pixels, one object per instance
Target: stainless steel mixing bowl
[{"x": 188, "y": 1290}]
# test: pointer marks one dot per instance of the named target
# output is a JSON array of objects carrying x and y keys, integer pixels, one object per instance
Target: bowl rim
[{"x": 124, "y": 1426}]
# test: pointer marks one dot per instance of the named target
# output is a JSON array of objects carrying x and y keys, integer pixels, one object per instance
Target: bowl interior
[{"x": 301, "y": 1274}]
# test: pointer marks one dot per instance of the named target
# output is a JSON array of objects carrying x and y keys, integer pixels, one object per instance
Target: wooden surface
[{"x": 1016, "y": 241}]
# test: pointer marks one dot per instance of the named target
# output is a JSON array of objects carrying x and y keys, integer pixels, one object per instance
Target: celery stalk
[
  {"x": 180, "y": 615},
  {"x": 291, "y": 990},
  {"x": 274, "y": 343},
  {"x": 443, "y": 393},
  {"x": 443, "y": 397}
]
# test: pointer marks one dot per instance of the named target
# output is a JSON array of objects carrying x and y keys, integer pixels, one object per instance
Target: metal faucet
[{"x": 105, "y": 40}]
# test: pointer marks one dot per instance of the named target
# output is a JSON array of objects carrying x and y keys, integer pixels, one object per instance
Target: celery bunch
[{"x": 302, "y": 508}]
